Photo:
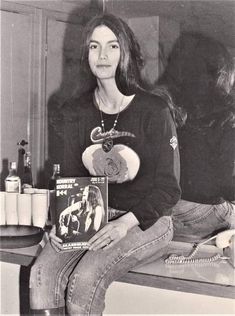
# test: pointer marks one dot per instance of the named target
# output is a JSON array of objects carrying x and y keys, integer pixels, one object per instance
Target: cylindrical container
[
  {"x": 24, "y": 209},
  {"x": 39, "y": 209},
  {"x": 45, "y": 191},
  {"x": 11, "y": 208},
  {"x": 40, "y": 191},
  {"x": 29, "y": 190},
  {"x": 12, "y": 181},
  {"x": 2, "y": 208}
]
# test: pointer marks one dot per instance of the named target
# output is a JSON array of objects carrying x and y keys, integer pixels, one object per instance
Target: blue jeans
[
  {"x": 195, "y": 222},
  {"x": 85, "y": 276}
]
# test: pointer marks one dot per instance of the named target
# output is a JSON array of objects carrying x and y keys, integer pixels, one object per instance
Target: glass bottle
[
  {"x": 55, "y": 175},
  {"x": 27, "y": 178},
  {"x": 51, "y": 187},
  {"x": 20, "y": 163},
  {"x": 12, "y": 181}
]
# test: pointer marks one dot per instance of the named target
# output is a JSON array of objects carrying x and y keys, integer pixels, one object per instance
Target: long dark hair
[
  {"x": 179, "y": 115},
  {"x": 128, "y": 74},
  {"x": 200, "y": 78}
]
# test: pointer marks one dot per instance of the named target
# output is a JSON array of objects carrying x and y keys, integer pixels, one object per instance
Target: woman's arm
[{"x": 165, "y": 191}]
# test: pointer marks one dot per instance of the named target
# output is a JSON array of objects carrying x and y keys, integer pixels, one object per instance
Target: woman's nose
[{"x": 103, "y": 54}]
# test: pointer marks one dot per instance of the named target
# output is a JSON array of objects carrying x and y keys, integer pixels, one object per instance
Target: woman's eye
[
  {"x": 114, "y": 46},
  {"x": 93, "y": 46}
]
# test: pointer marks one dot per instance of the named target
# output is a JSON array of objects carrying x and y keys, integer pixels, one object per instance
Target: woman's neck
[{"x": 110, "y": 100}]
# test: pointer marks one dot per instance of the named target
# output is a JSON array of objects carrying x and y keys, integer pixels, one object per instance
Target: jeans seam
[
  {"x": 119, "y": 259},
  {"x": 61, "y": 274},
  {"x": 198, "y": 219}
]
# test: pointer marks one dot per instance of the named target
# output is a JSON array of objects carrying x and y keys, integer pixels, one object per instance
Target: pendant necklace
[{"x": 107, "y": 143}]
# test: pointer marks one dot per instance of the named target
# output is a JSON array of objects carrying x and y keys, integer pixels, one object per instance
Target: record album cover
[{"x": 81, "y": 209}]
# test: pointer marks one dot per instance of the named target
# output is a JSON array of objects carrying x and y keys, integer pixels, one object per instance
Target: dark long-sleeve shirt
[{"x": 143, "y": 165}]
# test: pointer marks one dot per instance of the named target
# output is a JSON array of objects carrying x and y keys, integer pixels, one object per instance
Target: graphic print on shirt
[{"x": 119, "y": 164}]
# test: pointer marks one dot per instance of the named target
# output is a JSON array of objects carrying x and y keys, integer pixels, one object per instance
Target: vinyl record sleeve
[{"x": 81, "y": 209}]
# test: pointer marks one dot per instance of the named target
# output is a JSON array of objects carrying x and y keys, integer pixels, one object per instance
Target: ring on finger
[{"x": 109, "y": 240}]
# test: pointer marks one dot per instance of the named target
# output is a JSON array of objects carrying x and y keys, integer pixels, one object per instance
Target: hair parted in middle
[{"x": 128, "y": 74}]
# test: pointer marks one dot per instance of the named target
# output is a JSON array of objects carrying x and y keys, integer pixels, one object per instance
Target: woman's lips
[{"x": 103, "y": 66}]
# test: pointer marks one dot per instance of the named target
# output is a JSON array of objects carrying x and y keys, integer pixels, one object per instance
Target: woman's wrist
[{"x": 129, "y": 220}]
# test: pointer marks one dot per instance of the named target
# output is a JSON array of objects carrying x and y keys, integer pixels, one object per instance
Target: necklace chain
[
  {"x": 107, "y": 143},
  {"x": 99, "y": 99},
  {"x": 102, "y": 121}
]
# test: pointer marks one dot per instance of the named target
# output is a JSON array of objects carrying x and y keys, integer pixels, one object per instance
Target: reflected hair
[
  {"x": 226, "y": 75},
  {"x": 94, "y": 196},
  {"x": 200, "y": 77},
  {"x": 179, "y": 115},
  {"x": 128, "y": 74}
]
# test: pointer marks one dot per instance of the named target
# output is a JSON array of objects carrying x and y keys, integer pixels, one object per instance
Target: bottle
[
  {"x": 12, "y": 181},
  {"x": 21, "y": 154},
  {"x": 55, "y": 175},
  {"x": 20, "y": 163},
  {"x": 26, "y": 178},
  {"x": 51, "y": 187}
]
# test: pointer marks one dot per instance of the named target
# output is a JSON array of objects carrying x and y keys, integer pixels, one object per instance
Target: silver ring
[{"x": 110, "y": 240}]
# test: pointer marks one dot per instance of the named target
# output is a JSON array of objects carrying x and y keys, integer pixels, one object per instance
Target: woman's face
[{"x": 104, "y": 53}]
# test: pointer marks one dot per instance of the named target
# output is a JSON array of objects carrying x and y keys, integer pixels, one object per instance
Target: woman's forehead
[{"x": 103, "y": 32}]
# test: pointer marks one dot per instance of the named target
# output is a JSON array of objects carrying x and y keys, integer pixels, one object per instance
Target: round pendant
[{"x": 107, "y": 145}]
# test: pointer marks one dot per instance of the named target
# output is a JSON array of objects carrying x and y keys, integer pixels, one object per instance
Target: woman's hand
[
  {"x": 113, "y": 232},
  {"x": 55, "y": 241}
]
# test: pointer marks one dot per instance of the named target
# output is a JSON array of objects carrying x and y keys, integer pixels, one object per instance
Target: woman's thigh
[
  {"x": 195, "y": 221},
  {"x": 49, "y": 277},
  {"x": 97, "y": 269}
]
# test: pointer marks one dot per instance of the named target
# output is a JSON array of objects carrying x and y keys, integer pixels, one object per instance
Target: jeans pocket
[
  {"x": 186, "y": 211},
  {"x": 190, "y": 212},
  {"x": 206, "y": 220},
  {"x": 225, "y": 213}
]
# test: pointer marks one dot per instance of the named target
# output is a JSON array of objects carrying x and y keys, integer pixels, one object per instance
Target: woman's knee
[
  {"x": 42, "y": 268},
  {"x": 42, "y": 278},
  {"x": 39, "y": 286},
  {"x": 35, "y": 275},
  {"x": 46, "y": 281}
]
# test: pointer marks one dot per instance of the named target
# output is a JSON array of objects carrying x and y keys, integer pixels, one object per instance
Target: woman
[
  {"x": 200, "y": 77},
  {"x": 120, "y": 131}
]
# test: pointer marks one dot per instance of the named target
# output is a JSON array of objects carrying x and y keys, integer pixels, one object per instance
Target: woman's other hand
[{"x": 113, "y": 232}]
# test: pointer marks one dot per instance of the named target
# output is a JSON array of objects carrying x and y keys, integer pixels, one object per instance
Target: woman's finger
[
  {"x": 100, "y": 233},
  {"x": 53, "y": 237},
  {"x": 111, "y": 244},
  {"x": 56, "y": 246},
  {"x": 100, "y": 243}
]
